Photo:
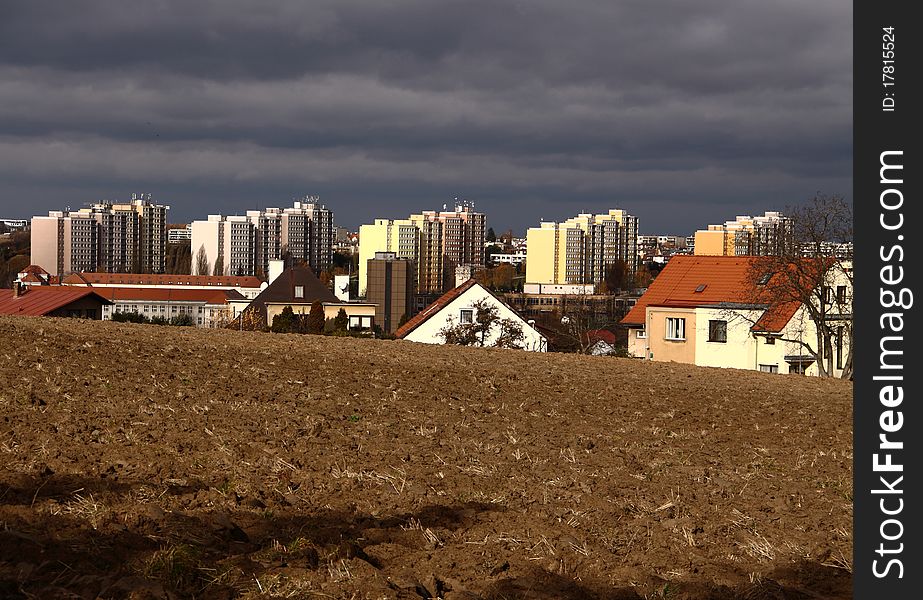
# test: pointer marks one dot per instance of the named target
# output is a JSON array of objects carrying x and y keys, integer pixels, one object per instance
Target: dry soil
[{"x": 139, "y": 461}]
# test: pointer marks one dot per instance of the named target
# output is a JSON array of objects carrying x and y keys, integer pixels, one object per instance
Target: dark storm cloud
[{"x": 723, "y": 107}]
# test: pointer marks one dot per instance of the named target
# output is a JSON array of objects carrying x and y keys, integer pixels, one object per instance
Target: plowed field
[{"x": 139, "y": 461}]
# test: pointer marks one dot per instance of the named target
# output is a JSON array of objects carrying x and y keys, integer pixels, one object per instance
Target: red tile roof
[
  {"x": 691, "y": 281},
  {"x": 41, "y": 300},
  {"x": 34, "y": 269},
  {"x": 116, "y": 294},
  {"x": 159, "y": 279},
  {"x": 443, "y": 301},
  {"x": 601, "y": 335}
]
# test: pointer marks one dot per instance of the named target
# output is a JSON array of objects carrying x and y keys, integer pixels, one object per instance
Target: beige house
[
  {"x": 299, "y": 288},
  {"x": 700, "y": 310}
]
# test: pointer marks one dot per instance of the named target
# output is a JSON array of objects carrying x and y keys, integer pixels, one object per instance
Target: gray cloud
[{"x": 684, "y": 113}]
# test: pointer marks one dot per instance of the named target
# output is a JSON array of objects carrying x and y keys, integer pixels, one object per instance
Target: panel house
[{"x": 706, "y": 310}]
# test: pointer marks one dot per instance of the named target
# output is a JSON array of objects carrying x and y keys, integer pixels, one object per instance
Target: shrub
[
  {"x": 183, "y": 320},
  {"x": 129, "y": 317}
]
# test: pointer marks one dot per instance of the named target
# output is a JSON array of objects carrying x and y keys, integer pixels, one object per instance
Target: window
[
  {"x": 676, "y": 328},
  {"x": 466, "y": 316},
  {"x": 718, "y": 331},
  {"x": 841, "y": 294},
  {"x": 299, "y": 291},
  {"x": 769, "y": 368},
  {"x": 770, "y": 340},
  {"x": 642, "y": 334}
]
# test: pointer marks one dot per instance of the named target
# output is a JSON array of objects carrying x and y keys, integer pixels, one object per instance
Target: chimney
[
  {"x": 18, "y": 289},
  {"x": 276, "y": 267}
]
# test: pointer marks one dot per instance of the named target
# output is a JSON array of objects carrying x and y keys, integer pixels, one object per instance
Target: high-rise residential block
[
  {"x": 436, "y": 242},
  {"x": 126, "y": 237},
  {"x": 303, "y": 232},
  {"x": 769, "y": 234},
  {"x": 581, "y": 249}
]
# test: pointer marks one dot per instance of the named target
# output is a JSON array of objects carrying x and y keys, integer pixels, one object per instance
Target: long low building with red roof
[
  {"x": 248, "y": 286},
  {"x": 210, "y": 301},
  {"x": 707, "y": 311},
  {"x": 207, "y": 308}
]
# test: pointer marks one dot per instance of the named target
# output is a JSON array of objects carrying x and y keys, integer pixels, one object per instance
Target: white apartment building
[{"x": 245, "y": 244}]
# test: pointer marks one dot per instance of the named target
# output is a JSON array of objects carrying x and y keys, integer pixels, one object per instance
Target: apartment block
[
  {"x": 464, "y": 232},
  {"x": 247, "y": 243},
  {"x": 769, "y": 234},
  {"x": 105, "y": 236},
  {"x": 581, "y": 249},
  {"x": 390, "y": 289},
  {"x": 229, "y": 242},
  {"x": 436, "y": 242}
]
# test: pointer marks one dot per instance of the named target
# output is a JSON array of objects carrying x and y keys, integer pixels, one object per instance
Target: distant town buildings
[
  {"x": 769, "y": 234},
  {"x": 15, "y": 224},
  {"x": 579, "y": 250},
  {"x": 436, "y": 242},
  {"x": 105, "y": 236},
  {"x": 179, "y": 234},
  {"x": 661, "y": 241},
  {"x": 244, "y": 244}
]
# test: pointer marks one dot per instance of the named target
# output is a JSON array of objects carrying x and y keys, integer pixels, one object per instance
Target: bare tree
[
  {"x": 583, "y": 312},
  {"x": 219, "y": 266},
  {"x": 250, "y": 319},
  {"x": 480, "y": 330},
  {"x": 816, "y": 274},
  {"x": 201, "y": 261}
]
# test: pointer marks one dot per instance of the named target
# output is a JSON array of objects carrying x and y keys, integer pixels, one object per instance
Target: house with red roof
[
  {"x": 457, "y": 307},
  {"x": 51, "y": 301},
  {"x": 707, "y": 311}
]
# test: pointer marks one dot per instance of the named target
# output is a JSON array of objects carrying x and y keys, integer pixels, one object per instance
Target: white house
[{"x": 457, "y": 307}]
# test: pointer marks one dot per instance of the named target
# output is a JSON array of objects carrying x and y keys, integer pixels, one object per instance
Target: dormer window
[{"x": 299, "y": 291}]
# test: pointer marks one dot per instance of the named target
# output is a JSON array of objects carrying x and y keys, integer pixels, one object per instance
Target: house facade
[
  {"x": 458, "y": 307},
  {"x": 701, "y": 311}
]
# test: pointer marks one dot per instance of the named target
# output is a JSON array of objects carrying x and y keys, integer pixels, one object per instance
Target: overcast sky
[{"x": 682, "y": 112}]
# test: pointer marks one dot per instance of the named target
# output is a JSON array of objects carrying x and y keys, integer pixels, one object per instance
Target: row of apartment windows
[{"x": 159, "y": 308}]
